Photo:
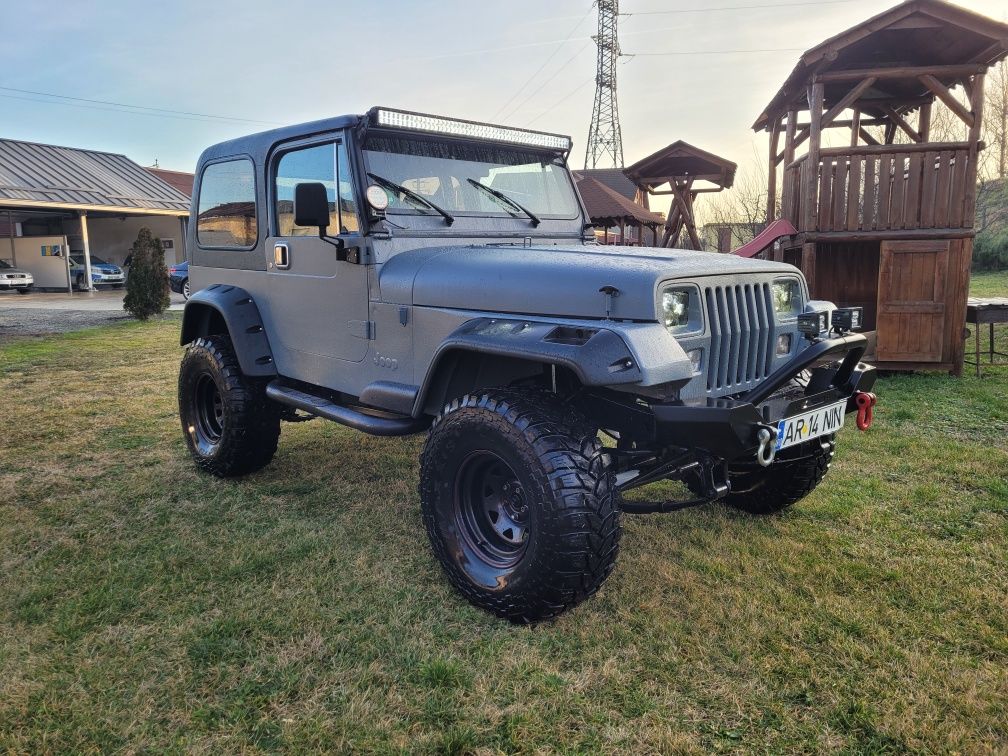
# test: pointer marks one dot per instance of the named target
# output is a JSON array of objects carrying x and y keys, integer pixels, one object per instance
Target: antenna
[{"x": 605, "y": 140}]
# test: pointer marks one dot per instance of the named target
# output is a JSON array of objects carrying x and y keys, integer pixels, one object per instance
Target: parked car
[
  {"x": 401, "y": 273},
  {"x": 178, "y": 278},
  {"x": 15, "y": 279},
  {"x": 103, "y": 273}
]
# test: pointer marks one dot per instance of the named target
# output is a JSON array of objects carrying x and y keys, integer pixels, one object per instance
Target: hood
[
  {"x": 105, "y": 268},
  {"x": 555, "y": 281}
]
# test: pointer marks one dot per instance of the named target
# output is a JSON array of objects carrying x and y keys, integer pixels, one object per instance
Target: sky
[{"x": 699, "y": 74}]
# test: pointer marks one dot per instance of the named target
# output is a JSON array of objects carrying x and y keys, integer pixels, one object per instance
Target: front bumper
[
  {"x": 729, "y": 428},
  {"x": 16, "y": 283}
]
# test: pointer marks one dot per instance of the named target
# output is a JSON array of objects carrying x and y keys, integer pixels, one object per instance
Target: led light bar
[{"x": 401, "y": 119}]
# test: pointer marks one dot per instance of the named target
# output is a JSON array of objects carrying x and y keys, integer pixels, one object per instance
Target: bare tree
[
  {"x": 996, "y": 118},
  {"x": 742, "y": 208}
]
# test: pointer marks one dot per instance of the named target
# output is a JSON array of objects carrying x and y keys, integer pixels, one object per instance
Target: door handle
[{"x": 281, "y": 256}]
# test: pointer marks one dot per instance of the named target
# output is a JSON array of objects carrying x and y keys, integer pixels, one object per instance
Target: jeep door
[{"x": 318, "y": 302}]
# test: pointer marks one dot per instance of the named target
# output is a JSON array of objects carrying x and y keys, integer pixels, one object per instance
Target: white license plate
[{"x": 795, "y": 430}]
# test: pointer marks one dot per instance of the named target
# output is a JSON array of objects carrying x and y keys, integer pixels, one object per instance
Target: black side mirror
[
  {"x": 311, "y": 205},
  {"x": 311, "y": 208}
]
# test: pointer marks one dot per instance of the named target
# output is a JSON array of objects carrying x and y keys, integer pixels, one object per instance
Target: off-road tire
[
  {"x": 564, "y": 480},
  {"x": 240, "y": 434},
  {"x": 793, "y": 475}
]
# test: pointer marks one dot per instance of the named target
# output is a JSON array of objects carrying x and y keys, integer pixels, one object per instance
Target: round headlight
[
  {"x": 675, "y": 305},
  {"x": 786, "y": 297}
]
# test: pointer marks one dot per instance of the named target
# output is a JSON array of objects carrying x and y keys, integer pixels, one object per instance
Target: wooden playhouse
[{"x": 883, "y": 212}]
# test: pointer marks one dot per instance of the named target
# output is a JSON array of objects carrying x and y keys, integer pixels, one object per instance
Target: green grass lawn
[
  {"x": 989, "y": 284},
  {"x": 145, "y": 607}
]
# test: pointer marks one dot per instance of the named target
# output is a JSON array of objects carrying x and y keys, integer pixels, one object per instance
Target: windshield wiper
[
  {"x": 503, "y": 197},
  {"x": 413, "y": 196}
]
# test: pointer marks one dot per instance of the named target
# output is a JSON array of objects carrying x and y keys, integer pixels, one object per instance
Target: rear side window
[
  {"x": 323, "y": 163},
  {"x": 227, "y": 208}
]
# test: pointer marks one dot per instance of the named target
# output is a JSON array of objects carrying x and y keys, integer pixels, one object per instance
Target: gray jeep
[{"x": 401, "y": 273}]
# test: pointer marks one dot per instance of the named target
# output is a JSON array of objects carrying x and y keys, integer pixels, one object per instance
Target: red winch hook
[{"x": 864, "y": 400}]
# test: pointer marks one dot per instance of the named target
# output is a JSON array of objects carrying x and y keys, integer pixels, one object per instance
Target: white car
[
  {"x": 15, "y": 279},
  {"x": 102, "y": 273}
]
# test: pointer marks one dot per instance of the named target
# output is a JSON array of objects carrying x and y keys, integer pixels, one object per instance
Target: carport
[{"x": 58, "y": 201}]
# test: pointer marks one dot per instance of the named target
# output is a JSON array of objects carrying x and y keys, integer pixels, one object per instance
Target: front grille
[{"x": 741, "y": 323}]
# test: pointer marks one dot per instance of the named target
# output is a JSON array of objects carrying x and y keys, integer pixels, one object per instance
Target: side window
[
  {"x": 328, "y": 165},
  {"x": 227, "y": 209}
]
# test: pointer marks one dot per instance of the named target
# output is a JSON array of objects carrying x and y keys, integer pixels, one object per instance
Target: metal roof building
[
  {"x": 57, "y": 201},
  {"x": 37, "y": 175}
]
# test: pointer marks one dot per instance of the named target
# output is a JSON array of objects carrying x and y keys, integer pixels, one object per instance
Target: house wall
[
  {"x": 112, "y": 238},
  {"x": 48, "y": 270}
]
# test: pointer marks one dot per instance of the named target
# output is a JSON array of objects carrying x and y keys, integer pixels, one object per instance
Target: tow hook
[
  {"x": 865, "y": 401},
  {"x": 767, "y": 447}
]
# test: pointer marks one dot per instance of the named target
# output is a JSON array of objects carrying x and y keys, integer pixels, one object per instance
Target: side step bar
[{"x": 322, "y": 407}]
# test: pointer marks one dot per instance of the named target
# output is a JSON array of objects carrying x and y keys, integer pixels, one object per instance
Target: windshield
[
  {"x": 5, "y": 264},
  {"x": 95, "y": 260},
  {"x": 444, "y": 172}
]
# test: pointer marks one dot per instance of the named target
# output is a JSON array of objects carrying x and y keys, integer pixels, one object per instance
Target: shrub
[
  {"x": 147, "y": 285},
  {"x": 990, "y": 250}
]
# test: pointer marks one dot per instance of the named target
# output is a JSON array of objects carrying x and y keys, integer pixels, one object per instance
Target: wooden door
[{"x": 911, "y": 301}]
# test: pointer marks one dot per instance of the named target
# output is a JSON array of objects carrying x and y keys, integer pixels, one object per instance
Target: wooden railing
[{"x": 880, "y": 188}]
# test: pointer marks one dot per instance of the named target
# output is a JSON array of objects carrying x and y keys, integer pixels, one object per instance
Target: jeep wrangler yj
[{"x": 398, "y": 272}]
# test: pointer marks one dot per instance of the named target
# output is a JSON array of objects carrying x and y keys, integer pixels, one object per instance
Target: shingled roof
[
  {"x": 681, "y": 160},
  {"x": 614, "y": 178},
  {"x": 607, "y": 207}
]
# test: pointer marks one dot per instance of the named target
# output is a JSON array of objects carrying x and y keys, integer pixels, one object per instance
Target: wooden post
[
  {"x": 672, "y": 222},
  {"x": 810, "y": 183},
  {"x": 771, "y": 211},
  {"x": 924, "y": 122},
  {"x": 808, "y": 265},
  {"x": 855, "y": 131},
  {"x": 789, "y": 137},
  {"x": 890, "y": 132},
  {"x": 683, "y": 198}
]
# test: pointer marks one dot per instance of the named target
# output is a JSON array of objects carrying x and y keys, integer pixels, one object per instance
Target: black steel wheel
[
  {"x": 491, "y": 509},
  {"x": 230, "y": 427},
  {"x": 520, "y": 503}
]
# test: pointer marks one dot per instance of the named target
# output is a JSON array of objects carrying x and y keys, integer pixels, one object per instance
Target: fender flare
[
  {"x": 232, "y": 307},
  {"x": 597, "y": 355}
]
